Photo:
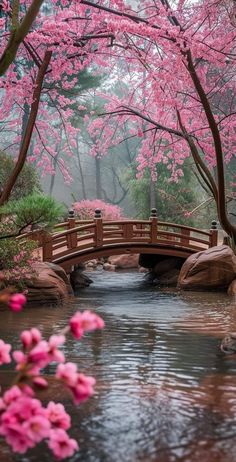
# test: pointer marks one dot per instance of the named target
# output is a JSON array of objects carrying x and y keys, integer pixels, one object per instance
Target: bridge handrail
[
  {"x": 159, "y": 223},
  {"x": 92, "y": 224},
  {"x": 131, "y": 221},
  {"x": 73, "y": 230},
  {"x": 189, "y": 228}
]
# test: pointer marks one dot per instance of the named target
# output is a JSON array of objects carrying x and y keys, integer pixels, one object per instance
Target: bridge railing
[{"x": 97, "y": 233}]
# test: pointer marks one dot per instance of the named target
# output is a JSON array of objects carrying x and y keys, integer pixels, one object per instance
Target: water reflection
[{"x": 164, "y": 391}]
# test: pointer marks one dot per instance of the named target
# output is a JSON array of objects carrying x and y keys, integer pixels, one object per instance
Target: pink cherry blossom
[
  {"x": 37, "y": 428},
  {"x": 85, "y": 209},
  {"x": 12, "y": 394},
  {"x": 57, "y": 416},
  {"x": 79, "y": 384},
  {"x": 85, "y": 322},
  {"x": 67, "y": 373},
  {"x": 26, "y": 338},
  {"x": 61, "y": 445},
  {"x": 83, "y": 388},
  {"x": 40, "y": 382},
  {"x": 23, "y": 422},
  {"x": 5, "y": 349},
  {"x": 39, "y": 355},
  {"x": 54, "y": 342},
  {"x": 30, "y": 337},
  {"x": 17, "y": 301}
]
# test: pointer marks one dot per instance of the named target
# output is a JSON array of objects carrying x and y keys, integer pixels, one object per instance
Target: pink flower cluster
[
  {"x": 79, "y": 384},
  {"x": 38, "y": 353},
  {"x": 5, "y": 349},
  {"x": 85, "y": 209},
  {"x": 16, "y": 302},
  {"x": 85, "y": 322},
  {"x": 25, "y": 423}
]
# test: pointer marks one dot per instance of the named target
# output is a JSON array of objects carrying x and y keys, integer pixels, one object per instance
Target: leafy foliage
[
  {"x": 27, "y": 181},
  {"x": 35, "y": 209},
  {"x": 174, "y": 201},
  {"x": 16, "y": 262}
]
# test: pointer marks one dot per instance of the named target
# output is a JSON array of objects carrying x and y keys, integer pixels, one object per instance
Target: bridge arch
[{"x": 70, "y": 260}]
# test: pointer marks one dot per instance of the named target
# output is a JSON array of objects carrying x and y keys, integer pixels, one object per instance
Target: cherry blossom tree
[
  {"x": 186, "y": 95},
  {"x": 33, "y": 97},
  {"x": 177, "y": 61}
]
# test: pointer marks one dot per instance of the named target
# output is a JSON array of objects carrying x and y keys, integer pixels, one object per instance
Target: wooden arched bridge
[{"x": 75, "y": 241}]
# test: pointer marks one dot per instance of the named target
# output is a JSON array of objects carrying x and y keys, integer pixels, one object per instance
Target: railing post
[
  {"x": 153, "y": 227},
  {"x": 214, "y": 234},
  {"x": 72, "y": 237},
  {"x": 47, "y": 246},
  {"x": 98, "y": 236},
  {"x": 185, "y": 237}
]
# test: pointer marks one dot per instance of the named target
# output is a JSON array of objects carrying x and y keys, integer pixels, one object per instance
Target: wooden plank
[
  {"x": 213, "y": 237},
  {"x": 153, "y": 230},
  {"x": 47, "y": 247},
  {"x": 72, "y": 237},
  {"x": 185, "y": 236},
  {"x": 128, "y": 231},
  {"x": 98, "y": 232}
]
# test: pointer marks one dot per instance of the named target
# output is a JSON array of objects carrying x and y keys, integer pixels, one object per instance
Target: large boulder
[
  {"x": 79, "y": 280},
  {"x": 232, "y": 289},
  {"x": 50, "y": 284},
  {"x": 125, "y": 261},
  {"x": 62, "y": 274},
  {"x": 214, "y": 269}
]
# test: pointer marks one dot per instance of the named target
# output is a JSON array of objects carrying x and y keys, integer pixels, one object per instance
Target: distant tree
[{"x": 174, "y": 201}]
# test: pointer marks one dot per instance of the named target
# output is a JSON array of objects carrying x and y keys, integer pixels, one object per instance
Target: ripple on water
[{"x": 164, "y": 391}]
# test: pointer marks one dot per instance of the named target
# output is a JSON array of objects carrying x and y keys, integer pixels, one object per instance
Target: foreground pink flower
[
  {"x": 67, "y": 373},
  {"x": 24, "y": 422},
  {"x": 85, "y": 322},
  {"x": 30, "y": 337},
  {"x": 79, "y": 384},
  {"x": 83, "y": 388},
  {"x": 5, "y": 348},
  {"x": 57, "y": 416},
  {"x": 37, "y": 428},
  {"x": 61, "y": 444},
  {"x": 17, "y": 301}
]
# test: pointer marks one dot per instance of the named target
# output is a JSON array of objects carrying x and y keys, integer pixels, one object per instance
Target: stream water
[{"x": 164, "y": 392}]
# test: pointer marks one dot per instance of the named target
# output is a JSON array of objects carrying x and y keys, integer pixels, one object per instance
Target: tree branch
[
  {"x": 29, "y": 129},
  {"x": 18, "y": 34}
]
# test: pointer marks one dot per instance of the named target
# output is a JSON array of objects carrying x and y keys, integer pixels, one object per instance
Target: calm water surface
[{"x": 164, "y": 391}]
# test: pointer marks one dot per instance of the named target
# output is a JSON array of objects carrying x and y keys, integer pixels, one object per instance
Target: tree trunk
[
  {"x": 52, "y": 180},
  {"x": 29, "y": 130},
  {"x": 152, "y": 195},
  {"x": 18, "y": 34},
  {"x": 98, "y": 178},
  {"x": 81, "y": 171}
]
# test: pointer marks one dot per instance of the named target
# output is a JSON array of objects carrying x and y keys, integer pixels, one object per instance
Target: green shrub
[
  {"x": 35, "y": 209},
  {"x": 16, "y": 258}
]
